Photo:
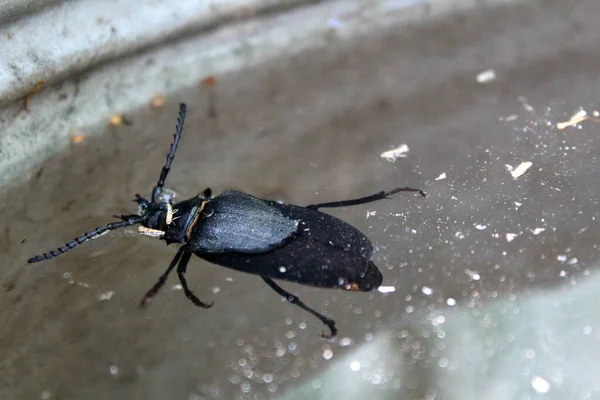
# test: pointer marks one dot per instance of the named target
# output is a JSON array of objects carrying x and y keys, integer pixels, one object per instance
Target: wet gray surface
[{"x": 311, "y": 129}]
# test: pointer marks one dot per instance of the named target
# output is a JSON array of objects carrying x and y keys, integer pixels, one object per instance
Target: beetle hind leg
[
  {"x": 295, "y": 300},
  {"x": 181, "y": 268},
  {"x": 364, "y": 200}
]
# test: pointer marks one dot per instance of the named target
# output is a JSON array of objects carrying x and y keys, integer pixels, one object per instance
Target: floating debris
[
  {"x": 399, "y": 152},
  {"x": 386, "y": 289},
  {"x": 576, "y": 118},
  {"x": 521, "y": 169},
  {"x": 486, "y": 76},
  {"x": 106, "y": 296},
  {"x": 441, "y": 176},
  {"x": 537, "y": 231},
  {"x": 511, "y": 236},
  {"x": 526, "y": 105},
  {"x": 473, "y": 275}
]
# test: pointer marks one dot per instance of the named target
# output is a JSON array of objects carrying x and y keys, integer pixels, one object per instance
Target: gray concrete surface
[{"x": 474, "y": 315}]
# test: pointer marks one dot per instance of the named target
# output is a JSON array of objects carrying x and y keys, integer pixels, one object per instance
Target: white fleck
[
  {"x": 282, "y": 269},
  {"x": 509, "y": 118},
  {"x": 346, "y": 341},
  {"x": 114, "y": 370},
  {"x": 427, "y": 290},
  {"x": 399, "y": 152},
  {"x": 474, "y": 275},
  {"x": 45, "y": 395},
  {"x": 441, "y": 176},
  {"x": 216, "y": 289},
  {"x": 518, "y": 204},
  {"x": 572, "y": 261},
  {"x": 327, "y": 354},
  {"x": 106, "y": 296},
  {"x": 176, "y": 287},
  {"x": 529, "y": 353},
  {"x": 355, "y": 366},
  {"x": 439, "y": 320},
  {"x": 480, "y": 226},
  {"x": 486, "y": 76},
  {"x": 511, "y": 236},
  {"x": 521, "y": 169},
  {"x": 540, "y": 385},
  {"x": 229, "y": 279},
  {"x": 386, "y": 289},
  {"x": 459, "y": 235},
  {"x": 450, "y": 301},
  {"x": 587, "y": 330},
  {"x": 537, "y": 231},
  {"x": 371, "y": 213},
  {"x": 561, "y": 257},
  {"x": 596, "y": 114}
]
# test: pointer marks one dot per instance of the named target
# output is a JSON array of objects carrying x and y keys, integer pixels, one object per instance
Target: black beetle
[{"x": 248, "y": 234}]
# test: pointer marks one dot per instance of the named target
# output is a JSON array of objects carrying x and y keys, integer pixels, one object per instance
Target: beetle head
[{"x": 153, "y": 214}]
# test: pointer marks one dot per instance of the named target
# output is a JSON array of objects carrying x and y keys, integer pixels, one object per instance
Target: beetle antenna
[
  {"x": 127, "y": 220},
  {"x": 165, "y": 171}
]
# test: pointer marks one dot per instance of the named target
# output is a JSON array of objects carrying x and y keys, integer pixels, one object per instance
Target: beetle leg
[
  {"x": 364, "y": 200},
  {"x": 162, "y": 279},
  {"x": 181, "y": 268},
  {"x": 295, "y": 300}
]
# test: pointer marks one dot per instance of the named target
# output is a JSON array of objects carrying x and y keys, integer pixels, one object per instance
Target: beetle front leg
[
  {"x": 295, "y": 300},
  {"x": 181, "y": 268},
  {"x": 162, "y": 279}
]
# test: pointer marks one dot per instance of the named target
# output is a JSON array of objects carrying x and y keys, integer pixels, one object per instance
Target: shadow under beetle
[{"x": 248, "y": 234}]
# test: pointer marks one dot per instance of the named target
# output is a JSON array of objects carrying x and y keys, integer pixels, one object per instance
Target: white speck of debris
[
  {"x": 427, "y": 290},
  {"x": 355, "y": 366},
  {"x": 346, "y": 342},
  {"x": 540, "y": 385},
  {"x": 486, "y": 76},
  {"x": 537, "y": 231},
  {"x": 216, "y": 289},
  {"x": 441, "y": 176},
  {"x": 561, "y": 257},
  {"x": 46, "y": 394},
  {"x": 573, "y": 261},
  {"x": 327, "y": 354},
  {"x": 508, "y": 167},
  {"x": 399, "y": 152},
  {"x": 176, "y": 287},
  {"x": 511, "y": 236},
  {"x": 106, "y": 296},
  {"x": 474, "y": 275},
  {"x": 459, "y": 235},
  {"x": 371, "y": 213},
  {"x": 596, "y": 114},
  {"x": 521, "y": 169},
  {"x": 480, "y": 226},
  {"x": 518, "y": 204},
  {"x": 509, "y": 118},
  {"x": 386, "y": 289},
  {"x": 450, "y": 301},
  {"x": 114, "y": 370},
  {"x": 282, "y": 270}
]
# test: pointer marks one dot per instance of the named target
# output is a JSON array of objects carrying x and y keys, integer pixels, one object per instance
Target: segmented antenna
[
  {"x": 165, "y": 171},
  {"x": 127, "y": 221}
]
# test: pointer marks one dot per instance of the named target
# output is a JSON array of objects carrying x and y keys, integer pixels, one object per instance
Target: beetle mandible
[{"x": 248, "y": 234}]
